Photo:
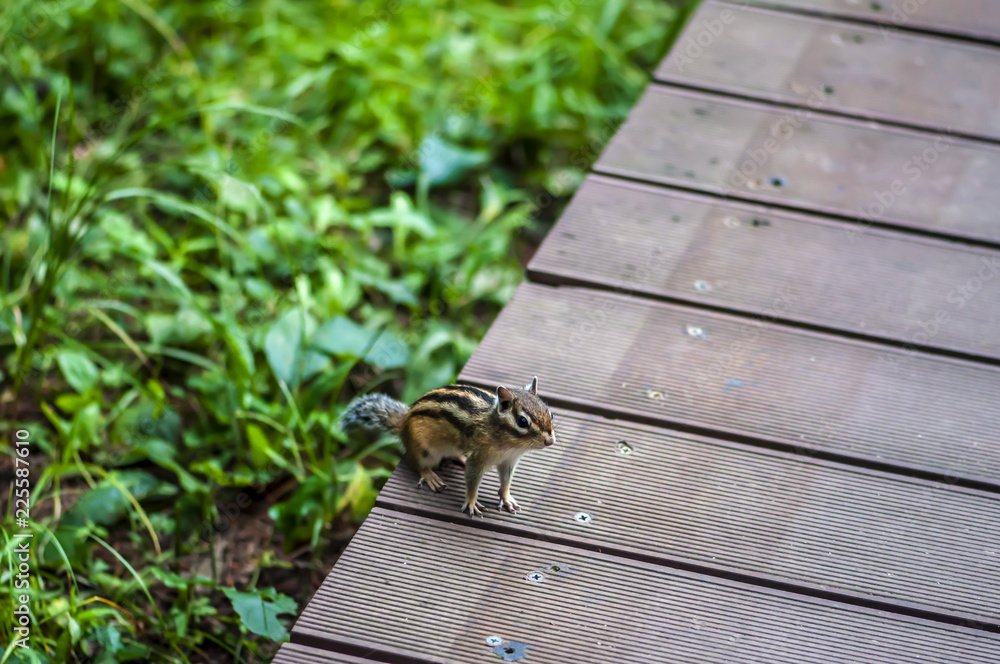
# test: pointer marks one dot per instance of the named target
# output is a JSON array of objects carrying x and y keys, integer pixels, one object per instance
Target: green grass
[{"x": 221, "y": 220}]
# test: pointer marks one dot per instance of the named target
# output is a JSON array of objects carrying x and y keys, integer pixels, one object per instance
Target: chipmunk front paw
[
  {"x": 473, "y": 508},
  {"x": 508, "y": 503}
]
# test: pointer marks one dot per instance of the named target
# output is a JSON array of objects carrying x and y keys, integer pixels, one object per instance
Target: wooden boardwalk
[{"x": 769, "y": 328}]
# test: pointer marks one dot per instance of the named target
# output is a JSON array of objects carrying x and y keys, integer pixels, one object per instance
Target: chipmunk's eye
[{"x": 522, "y": 422}]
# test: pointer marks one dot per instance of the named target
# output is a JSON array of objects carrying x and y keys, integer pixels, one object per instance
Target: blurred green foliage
[{"x": 223, "y": 219}]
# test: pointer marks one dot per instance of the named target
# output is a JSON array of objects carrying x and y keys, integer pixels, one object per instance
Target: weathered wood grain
[
  {"x": 669, "y": 244},
  {"x": 748, "y": 379},
  {"x": 940, "y": 84},
  {"x": 421, "y": 588},
  {"x": 867, "y": 173}
]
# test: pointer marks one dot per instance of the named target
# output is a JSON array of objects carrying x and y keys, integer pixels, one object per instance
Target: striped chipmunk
[{"x": 474, "y": 427}]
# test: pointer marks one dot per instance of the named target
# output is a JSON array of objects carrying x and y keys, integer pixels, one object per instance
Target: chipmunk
[{"x": 475, "y": 427}]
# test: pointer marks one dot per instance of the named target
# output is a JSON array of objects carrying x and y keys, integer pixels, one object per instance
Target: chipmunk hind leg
[{"x": 422, "y": 438}]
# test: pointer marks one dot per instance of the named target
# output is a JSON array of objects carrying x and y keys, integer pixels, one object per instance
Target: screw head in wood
[
  {"x": 493, "y": 640},
  {"x": 583, "y": 517},
  {"x": 534, "y": 577},
  {"x": 696, "y": 331},
  {"x": 510, "y": 651}
]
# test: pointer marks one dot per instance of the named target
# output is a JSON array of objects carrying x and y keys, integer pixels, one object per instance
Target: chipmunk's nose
[{"x": 549, "y": 439}]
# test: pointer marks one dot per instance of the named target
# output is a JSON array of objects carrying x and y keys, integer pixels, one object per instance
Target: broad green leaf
[
  {"x": 283, "y": 346},
  {"x": 145, "y": 421},
  {"x": 259, "y": 446},
  {"x": 442, "y": 162},
  {"x": 360, "y": 494},
  {"x": 259, "y": 611},
  {"x": 77, "y": 369},
  {"x": 109, "y": 638},
  {"x": 164, "y": 455},
  {"x": 182, "y": 327},
  {"x": 343, "y": 337},
  {"x": 388, "y": 352},
  {"x": 105, "y": 503}
]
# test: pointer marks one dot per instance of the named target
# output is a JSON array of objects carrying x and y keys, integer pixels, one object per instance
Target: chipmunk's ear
[
  {"x": 533, "y": 387},
  {"x": 504, "y": 399}
]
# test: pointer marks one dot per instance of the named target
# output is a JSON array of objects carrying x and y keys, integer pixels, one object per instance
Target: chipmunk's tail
[{"x": 373, "y": 415}]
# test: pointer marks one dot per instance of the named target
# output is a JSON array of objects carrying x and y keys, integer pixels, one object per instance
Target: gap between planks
[
  {"x": 831, "y": 215},
  {"x": 827, "y": 112},
  {"x": 555, "y": 279},
  {"x": 848, "y": 15},
  {"x": 658, "y": 93}
]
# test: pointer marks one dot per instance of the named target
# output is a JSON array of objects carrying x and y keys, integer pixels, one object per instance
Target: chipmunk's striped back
[{"x": 461, "y": 406}]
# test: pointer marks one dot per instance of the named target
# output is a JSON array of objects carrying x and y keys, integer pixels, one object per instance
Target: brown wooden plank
[
  {"x": 769, "y": 516},
  {"x": 746, "y": 379},
  {"x": 421, "y": 588},
  {"x": 669, "y": 244},
  {"x": 293, "y": 653},
  {"x": 896, "y": 76},
  {"x": 978, "y": 19},
  {"x": 862, "y": 171}
]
